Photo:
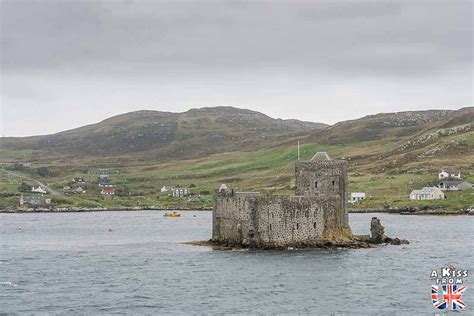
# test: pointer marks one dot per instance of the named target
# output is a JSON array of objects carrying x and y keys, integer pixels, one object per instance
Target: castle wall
[
  {"x": 284, "y": 220},
  {"x": 328, "y": 177},
  {"x": 232, "y": 217},
  {"x": 316, "y": 214},
  {"x": 277, "y": 220}
]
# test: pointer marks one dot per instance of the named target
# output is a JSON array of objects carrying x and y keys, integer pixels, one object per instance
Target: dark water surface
[{"x": 70, "y": 264}]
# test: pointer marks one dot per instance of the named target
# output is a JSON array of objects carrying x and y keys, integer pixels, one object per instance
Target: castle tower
[{"x": 321, "y": 175}]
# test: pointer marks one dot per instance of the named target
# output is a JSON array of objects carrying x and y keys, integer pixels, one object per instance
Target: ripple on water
[{"x": 65, "y": 266}]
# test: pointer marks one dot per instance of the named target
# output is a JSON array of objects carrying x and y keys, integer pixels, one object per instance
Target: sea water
[{"x": 136, "y": 262}]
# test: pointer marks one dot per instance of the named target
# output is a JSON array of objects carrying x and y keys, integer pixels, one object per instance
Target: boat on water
[{"x": 173, "y": 214}]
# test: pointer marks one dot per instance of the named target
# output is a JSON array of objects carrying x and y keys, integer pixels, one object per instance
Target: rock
[{"x": 377, "y": 231}]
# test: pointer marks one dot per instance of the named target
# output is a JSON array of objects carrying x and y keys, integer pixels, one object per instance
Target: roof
[
  {"x": 451, "y": 171},
  {"x": 452, "y": 182},
  {"x": 358, "y": 194},
  {"x": 32, "y": 198},
  {"x": 223, "y": 187},
  {"x": 425, "y": 190},
  {"x": 321, "y": 155}
]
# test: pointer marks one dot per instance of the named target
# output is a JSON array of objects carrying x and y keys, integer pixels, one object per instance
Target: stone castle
[{"x": 315, "y": 215}]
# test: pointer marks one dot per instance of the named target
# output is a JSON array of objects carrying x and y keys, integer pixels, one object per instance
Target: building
[
  {"x": 427, "y": 193},
  {"x": 449, "y": 174},
  {"x": 167, "y": 188},
  {"x": 103, "y": 180},
  {"x": 34, "y": 200},
  {"x": 107, "y": 191},
  {"x": 39, "y": 189},
  {"x": 98, "y": 171},
  {"x": 315, "y": 215},
  {"x": 79, "y": 190},
  {"x": 78, "y": 180},
  {"x": 179, "y": 192},
  {"x": 454, "y": 185},
  {"x": 357, "y": 196}
]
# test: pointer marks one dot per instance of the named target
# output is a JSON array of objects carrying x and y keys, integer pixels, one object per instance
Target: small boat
[{"x": 173, "y": 214}]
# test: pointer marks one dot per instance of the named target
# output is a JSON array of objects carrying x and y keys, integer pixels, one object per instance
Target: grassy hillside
[
  {"x": 164, "y": 135},
  {"x": 397, "y": 154}
]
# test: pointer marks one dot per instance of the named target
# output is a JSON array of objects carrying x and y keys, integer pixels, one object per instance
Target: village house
[
  {"x": 179, "y": 192},
  {"x": 78, "y": 180},
  {"x": 449, "y": 174},
  {"x": 167, "y": 188},
  {"x": 195, "y": 198},
  {"x": 427, "y": 193},
  {"x": 103, "y": 180},
  {"x": 357, "y": 196},
  {"x": 107, "y": 193},
  {"x": 34, "y": 200},
  {"x": 79, "y": 190},
  {"x": 39, "y": 189},
  {"x": 454, "y": 185},
  {"x": 98, "y": 171}
]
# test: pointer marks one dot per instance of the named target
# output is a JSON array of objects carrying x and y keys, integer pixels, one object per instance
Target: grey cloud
[{"x": 235, "y": 48}]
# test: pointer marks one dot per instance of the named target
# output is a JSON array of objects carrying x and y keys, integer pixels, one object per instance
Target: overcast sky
[{"x": 65, "y": 64}]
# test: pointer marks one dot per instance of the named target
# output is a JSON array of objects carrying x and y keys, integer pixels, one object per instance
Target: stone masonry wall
[{"x": 317, "y": 212}]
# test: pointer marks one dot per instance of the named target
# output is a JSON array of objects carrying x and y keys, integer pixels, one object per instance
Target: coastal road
[{"x": 53, "y": 192}]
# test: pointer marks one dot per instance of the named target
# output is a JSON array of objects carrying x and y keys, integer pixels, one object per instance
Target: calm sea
[{"x": 71, "y": 264}]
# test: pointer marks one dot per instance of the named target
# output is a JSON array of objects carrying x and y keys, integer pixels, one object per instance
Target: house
[
  {"x": 427, "y": 193},
  {"x": 98, "y": 171},
  {"x": 357, "y": 196},
  {"x": 449, "y": 174},
  {"x": 78, "y": 180},
  {"x": 454, "y": 185},
  {"x": 195, "y": 198},
  {"x": 39, "y": 189},
  {"x": 103, "y": 180},
  {"x": 79, "y": 190},
  {"x": 34, "y": 200},
  {"x": 167, "y": 188},
  {"x": 179, "y": 192},
  {"x": 107, "y": 191}
]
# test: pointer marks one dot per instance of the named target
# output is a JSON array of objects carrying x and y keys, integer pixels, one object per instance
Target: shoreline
[
  {"x": 428, "y": 212},
  {"x": 91, "y": 210},
  {"x": 410, "y": 211}
]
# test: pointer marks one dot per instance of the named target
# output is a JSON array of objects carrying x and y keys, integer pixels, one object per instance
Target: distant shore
[
  {"x": 87, "y": 210},
  {"x": 402, "y": 211},
  {"x": 414, "y": 211}
]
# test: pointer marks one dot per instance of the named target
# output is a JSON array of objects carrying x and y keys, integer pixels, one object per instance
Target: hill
[
  {"x": 195, "y": 133},
  {"x": 389, "y": 154}
]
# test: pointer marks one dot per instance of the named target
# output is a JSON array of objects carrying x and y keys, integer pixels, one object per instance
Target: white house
[
  {"x": 39, "y": 189},
  {"x": 427, "y": 193},
  {"x": 36, "y": 200},
  {"x": 167, "y": 188},
  {"x": 449, "y": 174},
  {"x": 179, "y": 192},
  {"x": 357, "y": 196}
]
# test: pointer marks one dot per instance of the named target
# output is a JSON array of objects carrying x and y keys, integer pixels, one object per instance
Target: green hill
[{"x": 389, "y": 155}]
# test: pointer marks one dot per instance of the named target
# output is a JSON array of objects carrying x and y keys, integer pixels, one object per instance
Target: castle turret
[{"x": 321, "y": 175}]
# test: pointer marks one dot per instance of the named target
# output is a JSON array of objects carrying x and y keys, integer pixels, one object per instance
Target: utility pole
[{"x": 298, "y": 150}]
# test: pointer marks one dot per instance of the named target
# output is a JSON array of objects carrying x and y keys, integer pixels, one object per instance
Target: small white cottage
[
  {"x": 449, "y": 174},
  {"x": 357, "y": 196}
]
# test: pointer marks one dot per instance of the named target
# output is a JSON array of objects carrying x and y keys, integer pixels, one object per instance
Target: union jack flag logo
[{"x": 451, "y": 297}]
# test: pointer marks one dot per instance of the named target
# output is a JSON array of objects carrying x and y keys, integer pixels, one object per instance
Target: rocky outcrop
[{"x": 377, "y": 234}]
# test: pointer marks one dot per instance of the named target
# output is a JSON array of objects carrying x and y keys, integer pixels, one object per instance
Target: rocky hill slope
[{"x": 195, "y": 133}]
